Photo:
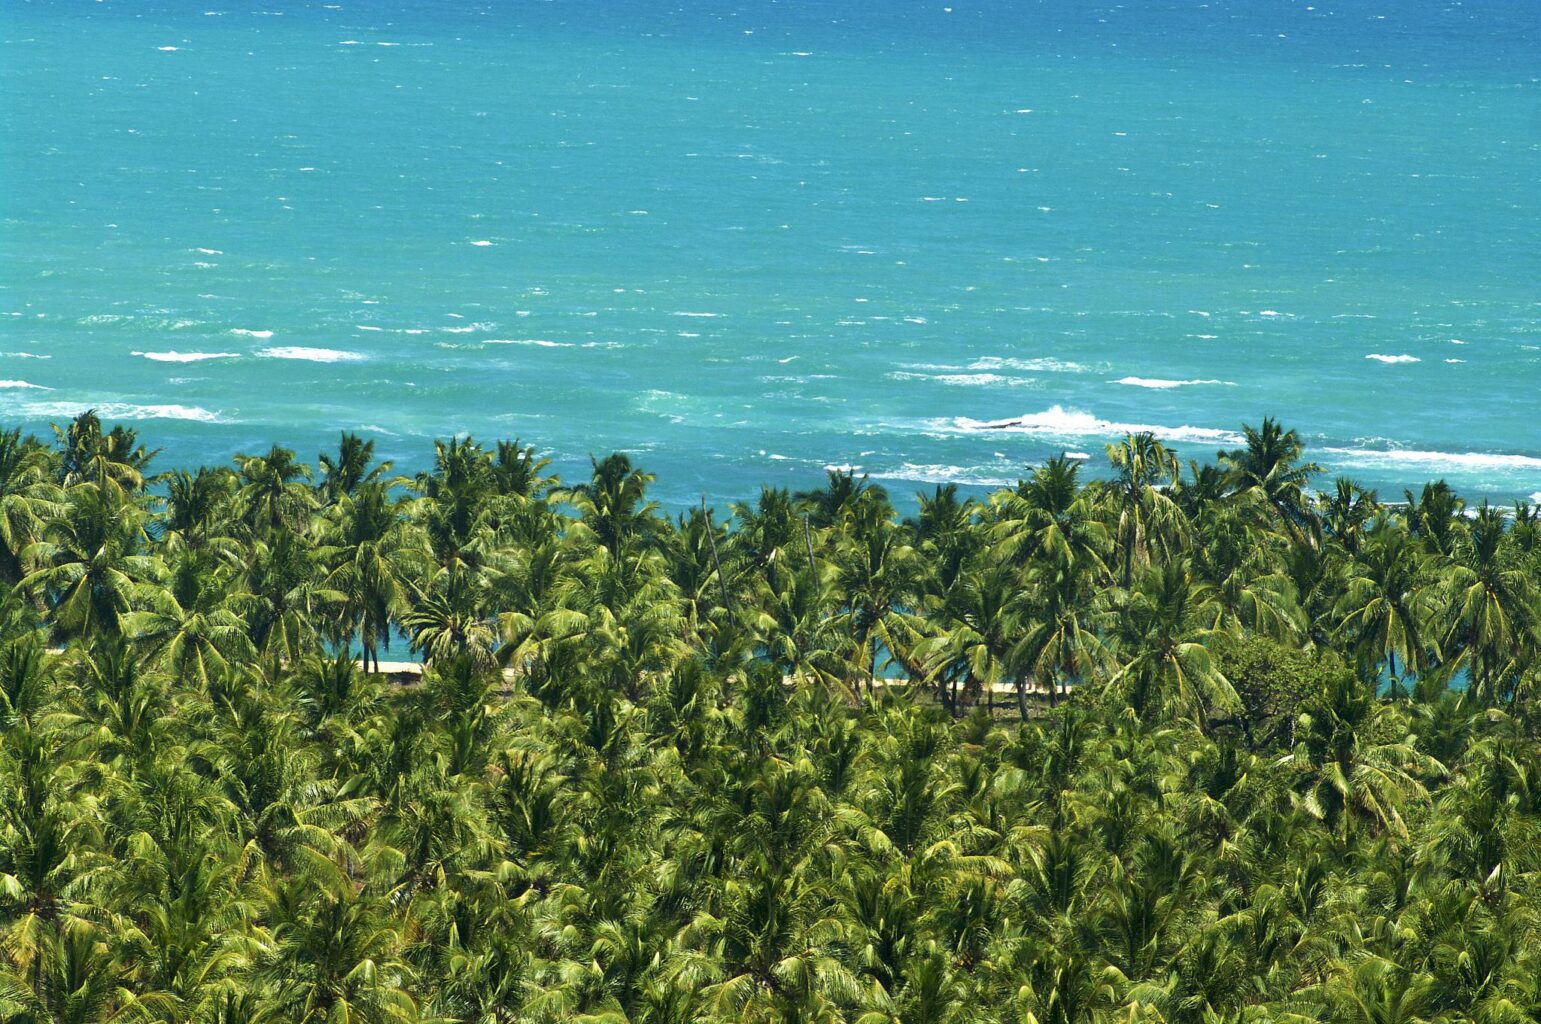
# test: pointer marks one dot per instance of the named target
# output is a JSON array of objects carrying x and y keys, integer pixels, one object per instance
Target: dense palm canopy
[{"x": 1200, "y": 746}]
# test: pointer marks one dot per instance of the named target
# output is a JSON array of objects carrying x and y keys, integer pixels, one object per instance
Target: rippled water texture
[{"x": 751, "y": 241}]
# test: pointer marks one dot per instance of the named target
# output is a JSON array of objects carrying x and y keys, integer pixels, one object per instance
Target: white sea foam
[
  {"x": 251, "y": 334},
  {"x": 183, "y": 357},
  {"x": 1455, "y": 360},
  {"x": 1057, "y": 421},
  {"x": 119, "y": 411},
  {"x": 210, "y": 252},
  {"x": 942, "y": 474},
  {"x": 1045, "y": 365},
  {"x": 984, "y": 380},
  {"x": 481, "y": 243},
  {"x": 367, "y": 327},
  {"x": 1431, "y": 461},
  {"x": 26, "y": 355},
  {"x": 22, "y": 385},
  {"x": 698, "y": 314},
  {"x": 1393, "y": 359},
  {"x": 312, "y": 355},
  {"x": 1162, "y": 384},
  {"x": 540, "y": 342}
]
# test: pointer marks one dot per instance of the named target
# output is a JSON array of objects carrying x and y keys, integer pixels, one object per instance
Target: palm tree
[
  {"x": 1270, "y": 467},
  {"x": 879, "y": 574},
  {"x": 1357, "y": 762},
  {"x": 114, "y": 461},
  {"x": 1434, "y": 517},
  {"x": 1049, "y": 518},
  {"x": 1062, "y": 640},
  {"x": 1387, "y": 607},
  {"x": 1494, "y": 604},
  {"x": 1347, "y": 511},
  {"x": 614, "y": 504},
  {"x": 197, "y": 505},
  {"x": 273, "y": 492},
  {"x": 518, "y": 471},
  {"x": 27, "y": 499},
  {"x": 374, "y": 556},
  {"x": 1167, "y": 666},
  {"x": 1148, "y": 520},
  {"x": 447, "y": 622},
  {"x": 983, "y": 615},
  {"x": 770, "y": 534},
  {"x": 353, "y": 467},
  {"x": 671, "y": 806},
  {"x": 91, "y": 569},
  {"x": 334, "y": 955},
  {"x": 189, "y": 626}
]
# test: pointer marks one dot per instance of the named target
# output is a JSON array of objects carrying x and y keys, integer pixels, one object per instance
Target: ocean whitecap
[
  {"x": 1044, "y": 365},
  {"x": 1057, "y": 421},
  {"x": 119, "y": 411},
  {"x": 183, "y": 357},
  {"x": 1378, "y": 357},
  {"x": 1162, "y": 384},
  {"x": 312, "y": 355},
  {"x": 242, "y": 331},
  {"x": 1431, "y": 461},
  {"x": 942, "y": 474}
]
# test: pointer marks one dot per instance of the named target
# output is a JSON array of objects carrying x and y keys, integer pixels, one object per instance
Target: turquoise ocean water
[{"x": 748, "y": 240}]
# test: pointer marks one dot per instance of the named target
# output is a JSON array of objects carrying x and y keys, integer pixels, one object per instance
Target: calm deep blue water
[{"x": 747, "y": 240}]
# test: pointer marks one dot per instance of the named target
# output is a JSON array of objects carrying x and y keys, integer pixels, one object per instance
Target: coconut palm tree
[
  {"x": 273, "y": 493},
  {"x": 1493, "y": 603},
  {"x": 374, "y": 556},
  {"x": 879, "y": 575},
  {"x": 1162, "y": 634},
  {"x": 91, "y": 565},
  {"x": 28, "y": 498},
  {"x": 189, "y": 626},
  {"x": 353, "y": 467},
  {"x": 1388, "y": 606},
  {"x": 1356, "y": 761},
  {"x": 1270, "y": 466},
  {"x": 114, "y": 461},
  {"x": 1147, "y": 520},
  {"x": 641, "y": 778}
]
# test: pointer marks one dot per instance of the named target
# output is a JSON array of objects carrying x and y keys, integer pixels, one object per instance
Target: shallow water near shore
[{"x": 748, "y": 241}]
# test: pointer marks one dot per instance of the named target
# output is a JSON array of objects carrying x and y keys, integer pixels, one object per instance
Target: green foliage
[{"x": 1171, "y": 747}]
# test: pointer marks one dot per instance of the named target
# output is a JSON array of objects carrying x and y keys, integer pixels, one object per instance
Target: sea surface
[{"x": 749, "y": 240}]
